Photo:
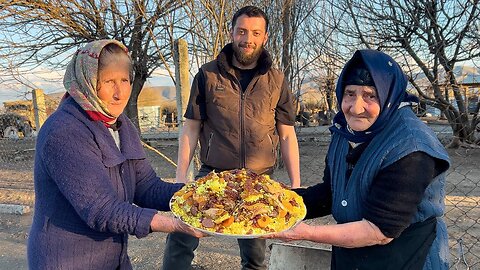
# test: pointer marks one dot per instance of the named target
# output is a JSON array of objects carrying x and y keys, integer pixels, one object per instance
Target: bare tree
[
  {"x": 208, "y": 27},
  {"x": 47, "y": 32},
  {"x": 430, "y": 38},
  {"x": 328, "y": 56},
  {"x": 289, "y": 45}
]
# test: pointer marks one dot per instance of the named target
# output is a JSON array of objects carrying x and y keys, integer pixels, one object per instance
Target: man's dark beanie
[{"x": 357, "y": 74}]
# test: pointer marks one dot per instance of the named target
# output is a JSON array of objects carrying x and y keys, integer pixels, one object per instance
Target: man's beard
[{"x": 247, "y": 59}]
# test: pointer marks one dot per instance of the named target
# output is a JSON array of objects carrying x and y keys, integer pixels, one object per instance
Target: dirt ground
[{"x": 16, "y": 185}]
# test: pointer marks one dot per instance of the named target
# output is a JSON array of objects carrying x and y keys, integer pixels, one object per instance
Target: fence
[
  {"x": 462, "y": 191},
  {"x": 462, "y": 213}
]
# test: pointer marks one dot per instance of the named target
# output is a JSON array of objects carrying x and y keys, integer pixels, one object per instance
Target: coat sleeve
[
  {"x": 318, "y": 198},
  {"x": 151, "y": 191},
  {"x": 196, "y": 107},
  {"x": 397, "y": 191},
  {"x": 285, "y": 110},
  {"x": 73, "y": 160}
]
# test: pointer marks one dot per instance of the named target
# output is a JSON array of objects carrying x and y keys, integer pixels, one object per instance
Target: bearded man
[{"x": 240, "y": 107}]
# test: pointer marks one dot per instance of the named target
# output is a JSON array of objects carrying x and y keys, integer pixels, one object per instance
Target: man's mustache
[{"x": 246, "y": 45}]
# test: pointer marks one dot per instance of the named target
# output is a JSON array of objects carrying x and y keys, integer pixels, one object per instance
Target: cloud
[
  {"x": 16, "y": 84},
  {"x": 51, "y": 81}
]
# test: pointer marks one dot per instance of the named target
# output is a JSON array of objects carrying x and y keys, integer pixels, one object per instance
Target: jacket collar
[
  {"x": 224, "y": 60},
  {"x": 131, "y": 147}
]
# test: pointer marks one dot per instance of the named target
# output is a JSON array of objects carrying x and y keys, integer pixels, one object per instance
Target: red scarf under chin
[{"x": 94, "y": 115}]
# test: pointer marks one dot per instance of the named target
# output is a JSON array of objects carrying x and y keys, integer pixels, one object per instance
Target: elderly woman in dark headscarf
[
  {"x": 93, "y": 184},
  {"x": 384, "y": 176}
]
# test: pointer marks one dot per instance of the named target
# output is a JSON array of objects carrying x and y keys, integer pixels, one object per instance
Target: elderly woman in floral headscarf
[
  {"x": 384, "y": 176},
  {"x": 93, "y": 184}
]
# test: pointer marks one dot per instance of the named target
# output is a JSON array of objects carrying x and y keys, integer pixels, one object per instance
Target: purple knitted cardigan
[{"x": 89, "y": 195}]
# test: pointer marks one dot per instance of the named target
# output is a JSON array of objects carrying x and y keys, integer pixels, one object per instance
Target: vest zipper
[
  {"x": 242, "y": 130},
  {"x": 209, "y": 145},
  {"x": 274, "y": 153},
  {"x": 243, "y": 158}
]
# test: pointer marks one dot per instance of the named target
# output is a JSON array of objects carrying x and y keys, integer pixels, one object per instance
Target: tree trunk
[
  {"x": 287, "y": 39},
  {"x": 462, "y": 130},
  {"x": 182, "y": 82},
  {"x": 132, "y": 110},
  {"x": 330, "y": 90}
]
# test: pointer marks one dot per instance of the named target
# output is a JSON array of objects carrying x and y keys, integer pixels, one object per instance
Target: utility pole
[
  {"x": 39, "y": 108},
  {"x": 180, "y": 57}
]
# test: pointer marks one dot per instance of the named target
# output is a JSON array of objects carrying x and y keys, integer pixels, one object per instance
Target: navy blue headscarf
[{"x": 390, "y": 83}]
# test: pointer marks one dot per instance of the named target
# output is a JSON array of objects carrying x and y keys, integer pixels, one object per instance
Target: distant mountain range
[
  {"x": 159, "y": 95},
  {"x": 150, "y": 95},
  {"x": 463, "y": 74},
  {"x": 467, "y": 75}
]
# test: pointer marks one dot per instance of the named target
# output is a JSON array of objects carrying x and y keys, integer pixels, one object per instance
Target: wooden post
[
  {"x": 39, "y": 108},
  {"x": 180, "y": 57}
]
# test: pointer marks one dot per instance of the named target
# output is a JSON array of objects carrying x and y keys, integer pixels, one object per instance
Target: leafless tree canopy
[
  {"x": 309, "y": 40},
  {"x": 47, "y": 32},
  {"x": 430, "y": 38}
]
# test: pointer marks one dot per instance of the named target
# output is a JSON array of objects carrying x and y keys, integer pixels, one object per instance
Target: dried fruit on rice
[{"x": 238, "y": 202}]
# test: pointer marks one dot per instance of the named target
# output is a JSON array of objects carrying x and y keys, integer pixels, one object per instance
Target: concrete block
[
  {"x": 289, "y": 257},
  {"x": 17, "y": 209}
]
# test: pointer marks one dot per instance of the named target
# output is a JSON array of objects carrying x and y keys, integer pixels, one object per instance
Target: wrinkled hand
[
  {"x": 295, "y": 233},
  {"x": 181, "y": 180},
  {"x": 179, "y": 226},
  {"x": 294, "y": 186}
]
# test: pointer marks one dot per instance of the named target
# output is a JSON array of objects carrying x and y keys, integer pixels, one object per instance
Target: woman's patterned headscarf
[
  {"x": 390, "y": 83},
  {"x": 80, "y": 79}
]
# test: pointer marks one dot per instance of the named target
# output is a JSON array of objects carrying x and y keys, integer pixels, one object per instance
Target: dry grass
[{"x": 11, "y": 196}]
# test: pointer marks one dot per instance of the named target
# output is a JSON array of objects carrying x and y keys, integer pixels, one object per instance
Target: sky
[{"x": 51, "y": 81}]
